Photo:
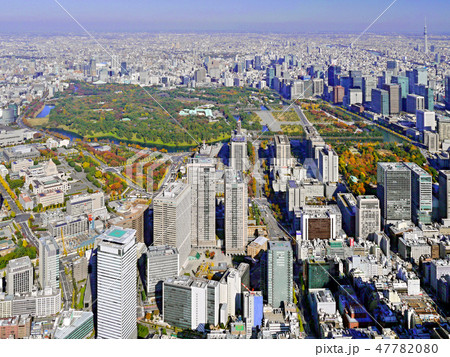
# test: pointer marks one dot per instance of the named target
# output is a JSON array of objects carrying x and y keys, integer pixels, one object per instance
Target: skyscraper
[
  {"x": 403, "y": 82},
  {"x": 425, "y": 120},
  {"x": 420, "y": 76},
  {"x": 238, "y": 151},
  {"x": 393, "y": 67},
  {"x": 394, "y": 97},
  {"x": 258, "y": 63},
  {"x": 277, "y": 273},
  {"x": 253, "y": 309},
  {"x": 421, "y": 194},
  {"x": 116, "y": 284},
  {"x": 425, "y": 37},
  {"x": 172, "y": 219},
  {"x": 428, "y": 93},
  {"x": 93, "y": 67},
  {"x": 368, "y": 216},
  {"x": 333, "y": 75},
  {"x": 162, "y": 263},
  {"x": 447, "y": 92},
  {"x": 48, "y": 262},
  {"x": 414, "y": 103},
  {"x": 356, "y": 79},
  {"x": 328, "y": 165},
  {"x": 369, "y": 83},
  {"x": 190, "y": 303},
  {"x": 282, "y": 151},
  {"x": 380, "y": 101},
  {"x": 201, "y": 176},
  {"x": 394, "y": 191},
  {"x": 444, "y": 194},
  {"x": 19, "y": 276},
  {"x": 235, "y": 212}
]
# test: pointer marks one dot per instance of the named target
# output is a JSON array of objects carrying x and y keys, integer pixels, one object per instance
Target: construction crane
[{"x": 64, "y": 244}]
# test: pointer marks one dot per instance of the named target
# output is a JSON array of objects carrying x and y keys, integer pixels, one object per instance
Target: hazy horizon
[{"x": 252, "y": 16}]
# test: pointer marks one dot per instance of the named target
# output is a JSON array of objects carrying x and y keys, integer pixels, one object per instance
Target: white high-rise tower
[
  {"x": 425, "y": 34},
  {"x": 116, "y": 284}
]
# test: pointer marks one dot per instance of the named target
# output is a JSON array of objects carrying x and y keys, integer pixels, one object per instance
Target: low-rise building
[
  {"x": 16, "y": 327},
  {"x": 74, "y": 325},
  {"x": 50, "y": 198}
]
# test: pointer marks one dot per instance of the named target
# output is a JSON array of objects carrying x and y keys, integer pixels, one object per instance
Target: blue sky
[{"x": 405, "y": 16}]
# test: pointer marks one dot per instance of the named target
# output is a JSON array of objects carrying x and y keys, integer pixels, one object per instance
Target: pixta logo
[{"x": 142, "y": 169}]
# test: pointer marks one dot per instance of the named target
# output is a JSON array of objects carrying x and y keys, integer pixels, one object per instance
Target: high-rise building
[
  {"x": 414, "y": 103},
  {"x": 368, "y": 216},
  {"x": 444, "y": 194},
  {"x": 253, "y": 309},
  {"x": 200, "y": 75},
  {"x": 172, "y": 219},
  {"x": 427, "y": 92},
  {"x": 394, "y": 191},
  {"x": 333, "y": 75},
  {"x": 133, "y": 217},
  {"x": 270, "y": 75},
  {"x": 443, "y": 128},
  {"x": 318, "y": 222},
  {"x": 425, "y": 120},
  {"x": 190, "y": 303},
  {"x": 420, "y": 75},
  {"x": 277, "y": 273},
  {"x": 115, "y": 64},
  {"x": 282, "y": 151},
  {"x": 380, "y": 101},
  {"x": 394, "y": 97},
  {"x": 421, "y": 194},
  {"x": 19, "y": 276},
  {"x": 48, "y": 263},
  {"x": 393, "y": 67},
  {"x": 425, "y": 37},
  {"x": 258, "y": 63},
  {"x": 346, "y": 82},
  {"x": 356, "y": 79},
  {"x": 369, "y": 83},
  {"x": 201, "y": 176},
  {"x": 93, "y": 67},
  {"x": 116, "y": 284},
  {"x": 338, "y": 94},
  {"x": 235, "y": 212},
  {"x": 238, "y": 151},
  {"x": 447, "y": 91},
  {"x": 328, "y": 165},
  {"x": 403, "y": 82},
  {"x": 162, "y": 263}
]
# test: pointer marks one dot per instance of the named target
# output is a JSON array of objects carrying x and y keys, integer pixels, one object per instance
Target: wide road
[
  {"x": 66, "y": 286},
  {"x": 273, "y": 227}
]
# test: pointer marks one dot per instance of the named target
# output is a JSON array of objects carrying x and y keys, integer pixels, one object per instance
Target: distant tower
[{"x": 425, "y": 36}]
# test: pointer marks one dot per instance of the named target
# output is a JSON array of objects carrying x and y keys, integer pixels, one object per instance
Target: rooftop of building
[
  {"x": 118, "y": 235},
  {"x": 174, "y": 190},
  {"x": 280, "y": 245},
  {"x": 71, "y": 320},
  {"x": 347, "y": 199},
  {"x": 393, "y": 166},
  {"x": 282, "y": 140},
  {"x": 22, "y": 262},
  {"x": 322, "y": 295},
  {"x": 161, "y": 250}
]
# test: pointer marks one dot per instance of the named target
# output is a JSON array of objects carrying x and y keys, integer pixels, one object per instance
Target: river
[{"x": 45, "y": 111}]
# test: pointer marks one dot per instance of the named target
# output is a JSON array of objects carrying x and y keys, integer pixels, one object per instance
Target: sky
[{"x": 286, "y": 16}]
